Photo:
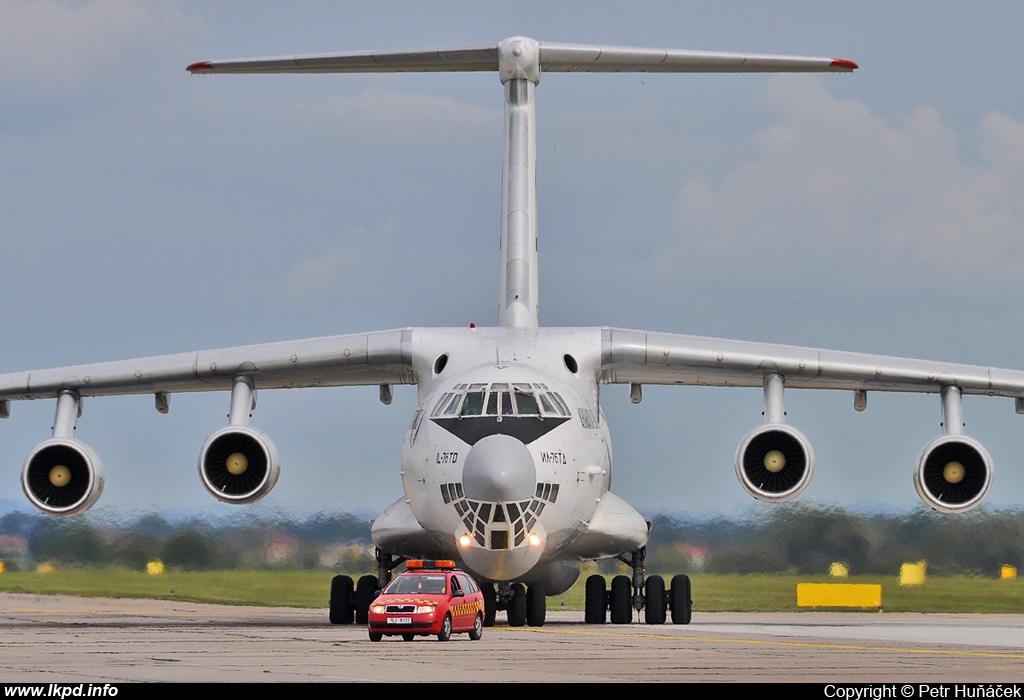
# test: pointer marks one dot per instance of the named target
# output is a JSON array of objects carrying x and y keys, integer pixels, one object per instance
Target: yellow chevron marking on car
[{"x": 410, "y": 601}]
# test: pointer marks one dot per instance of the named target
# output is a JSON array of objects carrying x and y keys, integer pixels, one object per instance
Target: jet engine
[
  {"x": 954, "y": 473},
  {"x": 774, "y": 462},
  {"x": 239, "y": 464},
  {"x": 62, "y": 476}
]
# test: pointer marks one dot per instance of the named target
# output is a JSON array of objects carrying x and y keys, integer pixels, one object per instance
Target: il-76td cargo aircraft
[{"x": 507, "y": 461}]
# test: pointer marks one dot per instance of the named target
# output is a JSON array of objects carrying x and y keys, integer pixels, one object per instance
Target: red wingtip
[
  {"x": 843, "y": 63},
  {"x": 200, "y": 67}
]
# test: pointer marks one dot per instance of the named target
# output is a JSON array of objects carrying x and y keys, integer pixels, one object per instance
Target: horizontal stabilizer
[{"x": 553, "y": 57}]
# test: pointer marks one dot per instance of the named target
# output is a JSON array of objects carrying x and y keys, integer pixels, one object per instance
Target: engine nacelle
[
  {"x": 954, "y": 474},
  {"x": 239, "y": 464},
  {"x": 62, "y": 476},
  {"x": 774, "y": 462}
]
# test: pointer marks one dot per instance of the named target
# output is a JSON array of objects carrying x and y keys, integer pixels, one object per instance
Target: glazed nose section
[{"x": 499, "y": 468}]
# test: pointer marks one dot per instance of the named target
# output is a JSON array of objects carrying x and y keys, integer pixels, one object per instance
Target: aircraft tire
[
  {"x": 536, "y": 605},
  {"x": 490, "y": 604},
  {"x": 517, "y": 606},
  {"x": 619, "y": 601},
  {"x": 655, "y": 602},
  {"x": 682, "y": 605},
  {"x": 596, "y": 600},
  {"x": 341, "y": 600},
  {"x": 366, "y": 586}
]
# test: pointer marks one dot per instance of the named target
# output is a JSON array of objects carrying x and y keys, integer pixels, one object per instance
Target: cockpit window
[
  {"x": 501, "y": 399},
  {"x": 473, "y": 404}
]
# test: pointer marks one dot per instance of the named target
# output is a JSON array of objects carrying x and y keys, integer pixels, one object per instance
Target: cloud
[
  {"x": 48, "y": 46},
  {"x": 836, "y": 195}
]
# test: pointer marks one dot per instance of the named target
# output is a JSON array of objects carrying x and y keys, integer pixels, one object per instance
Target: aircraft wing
[
  {"x": 640, "y": 357},
  {"x": 775, "y": 461},
  {"x": 341, "y": 360}
]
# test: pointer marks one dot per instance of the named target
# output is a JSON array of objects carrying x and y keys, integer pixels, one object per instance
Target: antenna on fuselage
[{"x": 519, "y": 62}]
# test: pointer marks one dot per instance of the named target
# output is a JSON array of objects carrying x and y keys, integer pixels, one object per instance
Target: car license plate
[{"x": 399, "y": 620}]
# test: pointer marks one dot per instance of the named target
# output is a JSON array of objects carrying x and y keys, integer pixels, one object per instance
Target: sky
[{"x": 146, "y": 211}]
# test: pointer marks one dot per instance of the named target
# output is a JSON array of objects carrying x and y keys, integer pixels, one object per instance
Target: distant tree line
[
  {"x": 803, "y": 539},
  {"x": 807, "y": 539}
]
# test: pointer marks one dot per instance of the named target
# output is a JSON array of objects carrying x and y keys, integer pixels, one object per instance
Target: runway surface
[{"x": 67, "y": 639}]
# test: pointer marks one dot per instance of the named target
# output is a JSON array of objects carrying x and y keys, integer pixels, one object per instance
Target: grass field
[{"x": 309, "y": 589}]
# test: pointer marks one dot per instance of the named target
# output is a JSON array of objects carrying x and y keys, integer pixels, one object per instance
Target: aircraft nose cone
[{"x": 499, "y": 468}]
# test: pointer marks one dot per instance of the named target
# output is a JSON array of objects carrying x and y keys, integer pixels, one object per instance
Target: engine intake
[
  {"x": 774, "y": 462},
  {"x": 62, "y": 476},
  {"x": 954, "y": 474},
  {"x": 239, "y": 464}
]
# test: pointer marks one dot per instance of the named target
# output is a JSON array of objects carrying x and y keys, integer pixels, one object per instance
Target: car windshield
[{"x": 426, "y": 583}]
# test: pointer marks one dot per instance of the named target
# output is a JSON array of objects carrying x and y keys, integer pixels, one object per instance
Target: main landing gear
[
  {"x": 649, "y": 595},
  {"x": 351, "y": 602},
  {"x": 525, "y": 605}
]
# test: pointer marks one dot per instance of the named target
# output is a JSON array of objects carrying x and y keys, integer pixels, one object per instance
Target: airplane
[{"x": 507, "y": 461}]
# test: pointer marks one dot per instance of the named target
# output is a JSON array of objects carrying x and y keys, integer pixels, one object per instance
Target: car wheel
[
  {"x": 376, "y": 636},
  {"x": 408, "y": 637},
  {"x": 478, "y": 628},
  {"x": 446, "y": 629},
  {"x": 654, "y": 600},
  {"x": 620, "y": 599},
  {"x": 682, "y": 605},
  {"x": 341, "y": 600}
]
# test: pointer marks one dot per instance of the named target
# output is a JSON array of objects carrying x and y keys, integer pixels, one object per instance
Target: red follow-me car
[{"x": 429, "y": 597}]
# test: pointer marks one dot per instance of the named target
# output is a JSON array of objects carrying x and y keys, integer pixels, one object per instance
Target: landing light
[
  {"x": 534, "y": 540},
  {"x": 465, "y": 540}
]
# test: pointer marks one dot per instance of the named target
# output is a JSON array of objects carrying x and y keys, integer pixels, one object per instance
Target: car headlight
[{"x": 377, "y": 609}]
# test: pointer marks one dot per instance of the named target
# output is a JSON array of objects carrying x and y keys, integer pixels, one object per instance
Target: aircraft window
[
  {"x": 453, "y": 405},
  {"x": 526, "y": 404},
  {"x": 492, "y": 403},
  {"x": 440, "y": 402},
  {"x": 458, "y": 489},
  {"x": 473, "y": 405},
  {"x": 485, "y": 511},
  {"x": 540, "y": 490},
  {"x": 554, "y": 493},
  {"x": 564, "y": 409},
  {"x": 499, "y": 514},
  {"x": 513, "y": 511}
]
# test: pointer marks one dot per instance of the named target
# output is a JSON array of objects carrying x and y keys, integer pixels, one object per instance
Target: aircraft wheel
[
  {"x": 366, "y": 587},
  {"x": 517, "y": 606},
  {"x": 655, "y": 603},
  {"x": 478, "y": 628},
  {"x": 536, "y": 605},
  {"x": 341, "y": 600},
  {"x": 620, "y": 600},
  {"x": 490, "y": 604},
  {"x": 682, "y": 606},
  {"x": 446, "y": 629},
  {"x": 596, "y": 601}
]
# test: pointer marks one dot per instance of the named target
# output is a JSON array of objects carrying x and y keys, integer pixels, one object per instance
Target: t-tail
[{"x": 519, "y": 62}]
